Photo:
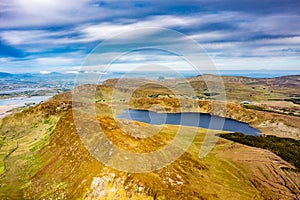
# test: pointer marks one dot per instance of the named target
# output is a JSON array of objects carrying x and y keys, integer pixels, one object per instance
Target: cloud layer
[{"x": 53, "y": 35}]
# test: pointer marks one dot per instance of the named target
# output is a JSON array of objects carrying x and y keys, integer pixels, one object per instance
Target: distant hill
[{"x": 5, "y": 75}]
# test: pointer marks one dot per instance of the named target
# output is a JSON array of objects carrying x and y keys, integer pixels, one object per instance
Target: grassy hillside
[
  {"x": 42, "y": 156},
  {"x": 286, "y": 148},
  {"x": 51, "y": 161}
]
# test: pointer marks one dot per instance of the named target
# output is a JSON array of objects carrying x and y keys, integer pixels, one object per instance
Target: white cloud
[
  {"x": 141, "y": 61},
  {"x": 56, "y": 61},
  {"x": 274, "y": 24},
  {"x": 3, "y": 60},
  {"x": 257, "y": 63},
  {"x": 207, "y": 37},
  {"x": 232, "y": 42},
  {"x": 102, "y": 31},
  {"x": 24, "y": 13},
  {"x": 72, "y": 72},
  {"x": 284, "y": 40},
  {"x": 23, "y": 37},
  {"x": 93, "y": 32},
  {"x": 45, "y": 72}
]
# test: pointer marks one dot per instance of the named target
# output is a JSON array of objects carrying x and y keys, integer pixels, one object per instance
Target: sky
[{"x": 59, "y": 35}]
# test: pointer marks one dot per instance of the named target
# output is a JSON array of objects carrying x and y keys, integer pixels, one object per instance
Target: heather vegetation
[
  {"x": 43, "y": 157},
  {"x": 287, "y": 148}
]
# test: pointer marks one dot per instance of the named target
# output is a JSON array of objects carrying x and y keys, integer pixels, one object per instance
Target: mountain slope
[{"x": 43, "y": 157}]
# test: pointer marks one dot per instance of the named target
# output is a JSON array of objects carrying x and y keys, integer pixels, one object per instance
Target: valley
[{"x": 43, "y": 156}]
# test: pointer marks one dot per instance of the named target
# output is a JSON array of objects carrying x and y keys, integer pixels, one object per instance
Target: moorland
[{"x": 43, "y": 157}]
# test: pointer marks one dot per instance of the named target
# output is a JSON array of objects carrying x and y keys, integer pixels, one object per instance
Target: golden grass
[{"x": 52, "y": 162}]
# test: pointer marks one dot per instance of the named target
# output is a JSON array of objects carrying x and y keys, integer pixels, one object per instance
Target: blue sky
[{"x": 57, "y": 35}]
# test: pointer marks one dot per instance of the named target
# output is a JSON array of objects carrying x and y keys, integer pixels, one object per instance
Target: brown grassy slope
[
  {"x": 237, "y": 88},
  {"x": 71, "y": 172},
  {"x": 240, "y": 88},
  {"x": 62, "y": 168},
  {"x": 25, "y": 132}
]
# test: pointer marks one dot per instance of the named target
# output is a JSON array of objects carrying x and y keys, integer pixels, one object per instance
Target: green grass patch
[
  {"x": 43, "y": 141},
  {"x": 249, "y": 106},
  {"x": 47, "y": 121},
  {"x": 2, "y": 140}
]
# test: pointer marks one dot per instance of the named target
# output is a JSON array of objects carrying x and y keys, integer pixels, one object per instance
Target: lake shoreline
[
  {"x": 7, "y": 105},
  {"x": 4, "y": 110},
  {"x": 198, "y": 119}
]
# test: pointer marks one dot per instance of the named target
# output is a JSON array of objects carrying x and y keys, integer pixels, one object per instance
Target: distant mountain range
[
  {"x": 28, "y": 75},
  {"x": 4, "y": 74},
  {"x": 186, "y": 74}
]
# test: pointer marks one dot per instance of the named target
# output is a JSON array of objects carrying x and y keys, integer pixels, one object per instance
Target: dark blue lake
[{"x": 190, "y": 119}]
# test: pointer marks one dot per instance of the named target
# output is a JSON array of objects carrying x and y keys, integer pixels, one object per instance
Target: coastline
[
  {"x": 4, "y": 110},
  {"x": 16, "y": 102}
]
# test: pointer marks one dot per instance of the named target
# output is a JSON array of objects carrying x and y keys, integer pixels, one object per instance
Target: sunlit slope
[
  {"x": 22, "y": 135},
  {"x": 63, "y": 168},
  {"x": 43, "y": 157}
]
